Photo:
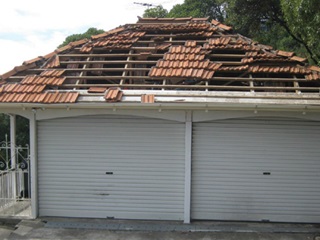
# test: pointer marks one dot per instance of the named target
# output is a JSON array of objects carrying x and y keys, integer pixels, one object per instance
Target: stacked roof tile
[
  {"x": 113, "y": 94},
  {"x": 185, "y": 62},
  {"x": 228, "y": 43},
  {"x": 153, "y": 54},
  {"x": 120, "y": 41},
  {"x": 48, "y": 97},
  {"x": 35, "y": 79}
]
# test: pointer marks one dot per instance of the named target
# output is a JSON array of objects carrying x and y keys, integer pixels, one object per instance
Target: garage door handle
[
  {"x": 267, "y": 173},
  {"x": 109, "y": 173}
]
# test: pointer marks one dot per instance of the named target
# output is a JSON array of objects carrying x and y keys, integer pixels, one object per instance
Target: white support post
[
  {"x": 13, "y": 159},
  {"x": 188, "y": 156},
  {"x": 34, "y": 165}
]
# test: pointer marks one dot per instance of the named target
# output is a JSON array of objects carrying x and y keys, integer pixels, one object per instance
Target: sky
[{"x": 33, "y": 28}]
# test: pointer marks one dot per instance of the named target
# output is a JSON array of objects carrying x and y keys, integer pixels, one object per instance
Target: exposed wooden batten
[
  {"x": 110, "y": 62},
  {"x": 203, "y": 87}
]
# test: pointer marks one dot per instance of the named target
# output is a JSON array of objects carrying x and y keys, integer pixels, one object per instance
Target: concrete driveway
[{"x": 65, "y": 228}]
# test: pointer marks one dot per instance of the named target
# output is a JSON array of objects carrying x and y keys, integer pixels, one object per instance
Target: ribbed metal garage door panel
[
  {"x": 146, "y": 157},
  {"x": 229, "y": 161}
]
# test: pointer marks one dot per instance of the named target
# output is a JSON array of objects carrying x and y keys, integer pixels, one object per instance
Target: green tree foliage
[
  {"x": 214, "y": 9},
  {"x": 22, "y": 129},
  {"x": 291, "y": 25},
  {"x": 303, "y": 20},
  {"x": 267, "y": 21},
  {"x": 252, "y": 16},
  {"x": 22, "y": 133},
  {"x": 79, "y": 36},
  {"x": 156, "y": 12},
  {"x": 4, "y": 126}
]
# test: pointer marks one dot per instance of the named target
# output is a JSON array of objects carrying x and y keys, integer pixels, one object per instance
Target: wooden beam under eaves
[
  {"x": 197, "y": 87},
  {"x": 238, "y": 79},
  {"x": 106, "y": 55},
  {"x": 159, "y": 55},
  {"x": 109, "y": 62}
]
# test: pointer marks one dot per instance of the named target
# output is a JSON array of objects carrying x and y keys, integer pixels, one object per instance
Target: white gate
[{"x": 14, "y": 180}]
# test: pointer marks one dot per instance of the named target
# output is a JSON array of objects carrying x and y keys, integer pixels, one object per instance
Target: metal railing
[{"x": 14, "y": 180}]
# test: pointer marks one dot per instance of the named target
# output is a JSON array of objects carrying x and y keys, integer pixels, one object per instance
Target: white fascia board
[
  {"x": 189, "y": 105},
  {"x": 175, "y": 99},
  {"x": 220, "y": 94}
]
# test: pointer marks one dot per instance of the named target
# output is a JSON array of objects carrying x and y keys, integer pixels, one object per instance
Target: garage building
[{"x": 170, "y": 119}]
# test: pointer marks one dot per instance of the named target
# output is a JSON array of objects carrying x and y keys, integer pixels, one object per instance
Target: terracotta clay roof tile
[
  {"x": 272, "y": 69},
  {"x": 64, "y": 48},
  {"x": 185, "y": 19},
  {"x": 313, "y": 76},
  {"x": 192, "y": 57},
  {"x": 233, "y": 69},
  {"x": 116, "y": 30},
  {"x": 49, "y": 55},
  {"x": 8, "y": 74},
  {"x": 220, "y": 25},
  {"x": 16, "y": 70},
  {"x": 79, "y": 42},
  {"x": 113, "y": 94},
  {"x": 298, "y": 59},
  {"x": 34, "y": 79},
  {"x": 34, "y": 60},
  {"x": 52, "y": 73},
  {"x": 163, "y": 46},
  {"x": 53, "y": 62},
  {"x": 97, "y": 90},
  {"x": 285, "y": 54},
  {"x": 59, "y": 97},
  {"x": 314, "y": 68},
  {"x": 39, "y": 97},
  {"x": 190, "y": 43},
  {"x": 86, "y": 48},
  {"x": 22, "y": 88}
]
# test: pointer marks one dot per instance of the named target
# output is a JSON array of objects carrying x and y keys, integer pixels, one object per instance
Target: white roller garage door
[
  {"x": 256, "y": 170},
  {"x": 114, "y": 167}
]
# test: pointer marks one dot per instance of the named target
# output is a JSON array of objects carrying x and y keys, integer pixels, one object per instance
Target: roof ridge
[{"x": 173, "y": 20}]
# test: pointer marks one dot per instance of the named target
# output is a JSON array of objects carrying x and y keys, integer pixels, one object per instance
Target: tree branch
[{"x": 282, "y": 23}]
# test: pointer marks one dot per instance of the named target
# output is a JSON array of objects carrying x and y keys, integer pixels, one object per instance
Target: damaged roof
[{"x": 159, "y": 56}]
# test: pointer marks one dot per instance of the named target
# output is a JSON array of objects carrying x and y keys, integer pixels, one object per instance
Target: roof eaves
[
  {"x": 49, "y": 55},
  {"x": 34, "y": 60},
  {"x": 17, "y": 69}
]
